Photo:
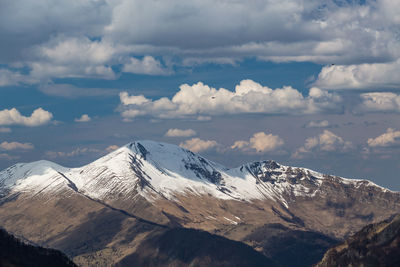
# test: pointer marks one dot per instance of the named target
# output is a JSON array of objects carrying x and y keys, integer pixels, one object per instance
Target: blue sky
[{"x": 307, "y": 83}]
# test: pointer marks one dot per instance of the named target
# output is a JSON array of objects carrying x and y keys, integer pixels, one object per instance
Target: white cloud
[
  {"x": 248, "y": 97},
  {"x": 148, "y": 65},
  {"x": 132, "y": 100},
  {"x": 15, "y": 145},
  {"x": 83, "y": 118},
  {"x": 391, "y": 137},
  {"x": 5, "y": 130},
  {"x": 198, "y": 145},
  {"x": 13, "y": 117},
  {"x": 259, "y": 142},
  {"x": 380, "y": 102},
  {"x": 8, "y": 78},
  {"x": 326, "y": 141},
  {"x": 363, "y": 76},
  {"x": 76, "y": 152},
  {"x": 203, "y": 118},
  {"x": 112, "y": 148},
  {"x": 180, "y": 133},
  {"x": 73, "y": 58},
  {"x": 318, "y": 124}
]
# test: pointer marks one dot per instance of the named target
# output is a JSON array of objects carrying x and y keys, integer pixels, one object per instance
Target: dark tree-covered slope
[{"x": 15, "y": 253}]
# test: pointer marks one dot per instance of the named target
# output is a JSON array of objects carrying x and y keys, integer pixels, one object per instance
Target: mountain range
[{"x": 122, "y": 208}]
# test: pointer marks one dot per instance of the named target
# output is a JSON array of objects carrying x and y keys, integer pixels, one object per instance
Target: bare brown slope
[
  {"x": 91, "y": 233},
  {"x": 96, "y": 234},
  {"x": 332, "y": 211}
]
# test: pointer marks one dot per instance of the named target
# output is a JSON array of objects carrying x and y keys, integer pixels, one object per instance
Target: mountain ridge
[{"x": 195, "y": 168}]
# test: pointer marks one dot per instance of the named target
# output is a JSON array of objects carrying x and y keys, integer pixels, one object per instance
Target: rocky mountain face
[
  {"x": 15, "y": 253},
  {"x": 375, "y": 245},
  {"x": 103, "y": 212}
]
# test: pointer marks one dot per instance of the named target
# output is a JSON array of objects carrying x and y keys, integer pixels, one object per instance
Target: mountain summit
[{"x": 165, "y": 186}]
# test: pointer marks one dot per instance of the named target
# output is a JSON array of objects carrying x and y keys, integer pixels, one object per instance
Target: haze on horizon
[{"x": 306, "y": 83}]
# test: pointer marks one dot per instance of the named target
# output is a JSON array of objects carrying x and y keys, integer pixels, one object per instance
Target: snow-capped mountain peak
[
  {"x": 177, "y": 161},
  {"x": 36, "y": 176},
  {"x": 159, "y": 170}
]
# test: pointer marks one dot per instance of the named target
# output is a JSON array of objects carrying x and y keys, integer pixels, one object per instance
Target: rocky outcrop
[{"x": 375, "y": 245}]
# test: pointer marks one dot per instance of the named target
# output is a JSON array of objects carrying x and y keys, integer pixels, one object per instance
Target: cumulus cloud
[
  {"x": 148, "y": 65},
  {"x": 83, "y": 118},
  {"x": 363, "y": 76},
  {"x": 379, "y": 102},
  {"x": 318, "y": 124},
  {"x": 391, "y": 137},
  {"x": 198, "y": 145},
  {"x": 76, "y": 152},
  {"x": 248, "y": 97},
  {"x": 15, "y": 145},
  {"x": 13, "y": 117},
  {"x": 259, "y": 142},
  {"x": 326, "y": 141},
  {"x": 180, "y": 133},
  {"x": 5, "y": 130}
]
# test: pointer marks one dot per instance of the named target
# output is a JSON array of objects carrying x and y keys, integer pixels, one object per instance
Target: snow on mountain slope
[
  {"x": 158, "y": 170},
  {"x": 34, "y": 177},
  {"x": 150, "y": 169}
]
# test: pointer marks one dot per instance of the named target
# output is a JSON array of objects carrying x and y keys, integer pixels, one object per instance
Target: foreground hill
[
  {"x": 13, "y": 252},
  {"x": 99, "y": 214},
  {"x": 375, "y": 245},
  {"x": 188, "y": 247}
]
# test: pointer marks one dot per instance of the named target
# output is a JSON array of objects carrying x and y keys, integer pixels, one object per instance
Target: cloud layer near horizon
[
  {"x": 15, "y": 145},
  {"x": 390, "y": 138},
  {"x": 324, "y": 142},
  {"x": 180, "y": 133},
  {"x": 260, "y": 143}
]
